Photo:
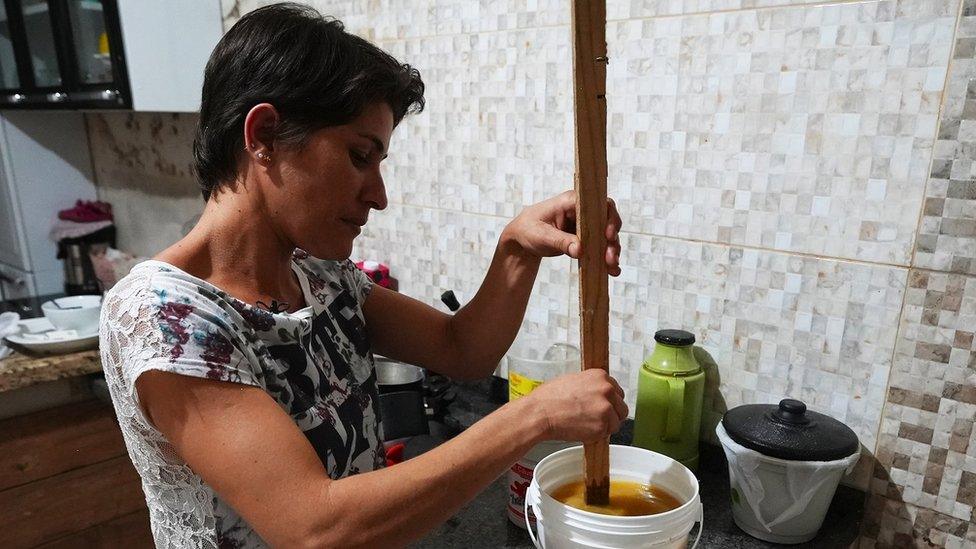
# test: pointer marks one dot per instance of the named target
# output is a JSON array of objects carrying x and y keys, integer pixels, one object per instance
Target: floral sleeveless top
[{"x": 315, "y": 363}]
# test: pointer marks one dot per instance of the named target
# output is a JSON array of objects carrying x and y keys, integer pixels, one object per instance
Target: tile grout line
[
  {"x": 809, "y": 255},
  {"x": 741, "y": 9},
  {"x": 772, "y": 250},
  {"x": 861, "y": 262},
  {"x": 825, "y": 3},
  {"x": 678, "y": 238},
  {"x": 380, "y": 41},
  {"x": 918, "y": 230},
  {"x": 450, "y": 210},
  {"x": 938, "y": 128}
]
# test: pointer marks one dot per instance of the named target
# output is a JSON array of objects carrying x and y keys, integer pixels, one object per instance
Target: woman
[{"x": 239, "y": 359}]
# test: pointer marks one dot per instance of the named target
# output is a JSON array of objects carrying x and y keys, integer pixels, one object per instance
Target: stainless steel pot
[{"x": 392, "y": 375}]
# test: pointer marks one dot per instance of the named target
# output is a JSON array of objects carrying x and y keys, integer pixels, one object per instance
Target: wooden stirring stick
[{"x": 590, "y": 105}]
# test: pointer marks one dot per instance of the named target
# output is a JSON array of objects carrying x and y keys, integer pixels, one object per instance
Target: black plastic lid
[
  {"x": 674, "y": 337},
  {"x": 789, "y": 431}
]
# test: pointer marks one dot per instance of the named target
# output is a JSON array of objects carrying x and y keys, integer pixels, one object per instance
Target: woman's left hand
[{"x": 548, "y": 229}]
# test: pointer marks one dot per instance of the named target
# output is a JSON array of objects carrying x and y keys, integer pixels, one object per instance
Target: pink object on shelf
[
  {"x": 378, "y": 273},
  {"x": 85, "y": 211}
]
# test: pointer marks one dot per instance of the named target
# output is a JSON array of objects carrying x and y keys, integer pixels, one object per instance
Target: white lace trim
[{"x": 180, "y": 504}]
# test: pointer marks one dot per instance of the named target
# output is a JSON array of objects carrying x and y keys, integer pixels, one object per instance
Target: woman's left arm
[{"x": 469, "y": 344}]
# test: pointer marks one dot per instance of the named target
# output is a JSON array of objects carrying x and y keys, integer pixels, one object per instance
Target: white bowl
[{"x": 77, "y": 312}]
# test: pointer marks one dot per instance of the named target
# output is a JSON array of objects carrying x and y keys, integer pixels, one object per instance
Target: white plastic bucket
[
  {"x": 778, "y": 500},
  {"x": 520, "y": 477},
  {"x": 561, "y": 526}
]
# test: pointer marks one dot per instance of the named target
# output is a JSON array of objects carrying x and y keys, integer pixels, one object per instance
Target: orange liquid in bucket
[{"x": 627, "y": 498}]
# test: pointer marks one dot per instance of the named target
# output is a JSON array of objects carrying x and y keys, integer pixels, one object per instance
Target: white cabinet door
[
  {"x": 11, "y": 247},
  {"x": 16, "y": 283},
  {"x": 167, "y": 45}
]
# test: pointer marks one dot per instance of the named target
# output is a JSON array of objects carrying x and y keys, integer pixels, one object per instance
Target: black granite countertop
[
  {"x": 484, "y": 522},
  {"x": 27, "y": 307}
]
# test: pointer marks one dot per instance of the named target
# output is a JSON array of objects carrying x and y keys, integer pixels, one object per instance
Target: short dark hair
[{"x": 314, "y": 72}]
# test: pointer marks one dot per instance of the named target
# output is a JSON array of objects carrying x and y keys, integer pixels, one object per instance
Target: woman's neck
[{"x": 237, "y": 248}]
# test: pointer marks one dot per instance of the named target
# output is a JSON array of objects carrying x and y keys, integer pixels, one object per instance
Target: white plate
[{"x": 81, "y": 342}]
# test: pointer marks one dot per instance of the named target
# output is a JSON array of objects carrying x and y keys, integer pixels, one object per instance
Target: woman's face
[{"x": 327, "y": 188}]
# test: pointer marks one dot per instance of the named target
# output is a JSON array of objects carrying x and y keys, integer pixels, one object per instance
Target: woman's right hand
[{"x": 587, "y": 406}]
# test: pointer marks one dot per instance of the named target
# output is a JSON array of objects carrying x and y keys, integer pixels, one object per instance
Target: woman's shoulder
[
  {"x": 155, "y": 285},
  {"x": 152, "y": 273},
  {"x": 134, "y": 287}
]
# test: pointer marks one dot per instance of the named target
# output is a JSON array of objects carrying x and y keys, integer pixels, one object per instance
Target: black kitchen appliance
[{"x": 79, "y": 274}]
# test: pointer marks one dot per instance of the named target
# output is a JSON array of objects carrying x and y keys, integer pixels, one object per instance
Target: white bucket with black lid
[{"x": 785, "y": 463}]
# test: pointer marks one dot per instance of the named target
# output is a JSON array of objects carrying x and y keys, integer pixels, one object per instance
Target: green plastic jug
[{"x": 670, "y": 388}]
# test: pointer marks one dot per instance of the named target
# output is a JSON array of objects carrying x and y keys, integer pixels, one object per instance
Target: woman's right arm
[{"x": 249, "y": 450}]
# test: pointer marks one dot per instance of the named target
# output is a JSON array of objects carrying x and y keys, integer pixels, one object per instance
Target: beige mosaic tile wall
[{"x": 797, "y": 185}]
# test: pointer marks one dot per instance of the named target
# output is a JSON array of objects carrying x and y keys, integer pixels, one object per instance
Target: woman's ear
[{"x": 259, "y": 131}]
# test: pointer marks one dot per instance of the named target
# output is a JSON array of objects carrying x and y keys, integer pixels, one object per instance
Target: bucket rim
[{"x": 690, "y": 506}]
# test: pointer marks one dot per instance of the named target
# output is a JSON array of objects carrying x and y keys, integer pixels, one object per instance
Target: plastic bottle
[{"x": 531, "y": 362}]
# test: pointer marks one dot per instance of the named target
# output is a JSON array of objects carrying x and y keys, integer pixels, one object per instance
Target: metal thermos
[
  {"x": 670, "y": 390},
  {"x": 79, "y": 275}
]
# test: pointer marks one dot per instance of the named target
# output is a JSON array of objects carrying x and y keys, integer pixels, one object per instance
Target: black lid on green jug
[
  {"x": 674, "y": 337},
  {"x": 789, "y": 431}
]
